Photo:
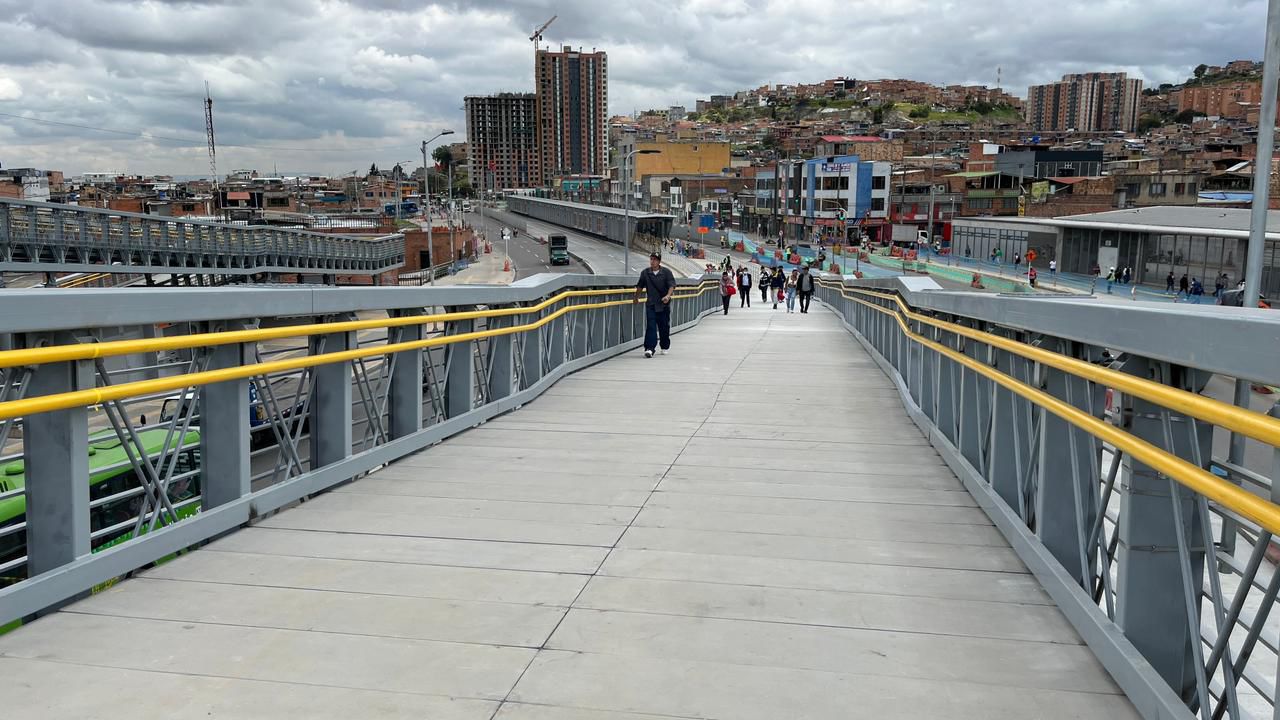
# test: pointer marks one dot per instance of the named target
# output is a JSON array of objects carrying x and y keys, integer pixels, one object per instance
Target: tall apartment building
[
  {"x": 573, "y": 112},
  {"x": 1085, "y": 102},
  {"x": 502, "y": 140}
]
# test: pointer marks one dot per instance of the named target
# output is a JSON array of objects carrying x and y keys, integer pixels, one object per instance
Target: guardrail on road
[
  {"x": 1080, "y": 428},
  {"x": 252, "y": 399}
]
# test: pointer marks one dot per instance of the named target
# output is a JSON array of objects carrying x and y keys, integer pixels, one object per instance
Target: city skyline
[{"x": 393, "y": 76}]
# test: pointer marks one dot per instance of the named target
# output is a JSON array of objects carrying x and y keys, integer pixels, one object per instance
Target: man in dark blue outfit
[{"x": 657, "y": 283}]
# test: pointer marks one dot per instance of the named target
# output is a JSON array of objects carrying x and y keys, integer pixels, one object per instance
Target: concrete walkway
[{"x": 747, "y": 529}]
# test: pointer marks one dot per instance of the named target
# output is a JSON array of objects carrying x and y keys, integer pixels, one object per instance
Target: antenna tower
[{"x": 208, "y": 129}]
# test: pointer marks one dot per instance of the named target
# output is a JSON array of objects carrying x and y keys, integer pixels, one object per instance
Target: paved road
[{"x": 527, "y": 254}]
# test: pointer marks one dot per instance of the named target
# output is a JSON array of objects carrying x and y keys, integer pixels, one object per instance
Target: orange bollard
[{"x": 506, "y": 265}]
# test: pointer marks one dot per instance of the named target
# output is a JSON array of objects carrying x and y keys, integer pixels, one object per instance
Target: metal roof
[
  {"x": 974, "y": 174},
  {"x": 1184, "y": 220},
  {"x": 602, "y": 209}
]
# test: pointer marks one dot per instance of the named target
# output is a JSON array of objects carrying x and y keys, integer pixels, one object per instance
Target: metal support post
[
  {"x": 531, "y": 355},
  {"x": 1151, "y": 588},
  {"x": 331, "y": 402},
  {"x": 1004, "y": 466},
  {"x": 56, "y": 458},
  {"x": 502, "y": 365},
  {"x": 598, "y": 322},
  {"x": 404, "y": 400},
  {"x": 225, "y": 465},
  {"x": 460, "y": 381},
  {"x": 947, "y": 385},
  {"x": 975, "y": 409},
  {"x": 1069, "y": 458},
  {"x": 581, "y": 328},
  {"x": 559, "y": 345}
]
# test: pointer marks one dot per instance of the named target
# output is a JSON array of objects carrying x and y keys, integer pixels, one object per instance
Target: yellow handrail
[
  {"x": 83, "y": 280},
  {"x": 1243, "y": 502},
  {"x": 92, "y": 351},
  {"x": 1258, "y": 426},
  {"x": 97, "y": 396}
]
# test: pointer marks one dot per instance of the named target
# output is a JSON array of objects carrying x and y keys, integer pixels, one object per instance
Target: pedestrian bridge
[{"x": 484, "y": 502}]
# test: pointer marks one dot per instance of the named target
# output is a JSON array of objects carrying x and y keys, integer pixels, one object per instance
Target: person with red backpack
[{"x": 727, "y": 290}]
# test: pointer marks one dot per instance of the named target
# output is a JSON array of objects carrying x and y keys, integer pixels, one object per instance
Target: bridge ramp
[{"x": 749, "y": 527}]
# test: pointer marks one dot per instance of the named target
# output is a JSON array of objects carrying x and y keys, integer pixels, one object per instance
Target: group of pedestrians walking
[
  {"x": 774, "y": 285},
  {"x": 657, "y": 285}
]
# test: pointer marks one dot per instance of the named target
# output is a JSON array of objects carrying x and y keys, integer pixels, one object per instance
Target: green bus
[{"x": 110, "y": 474}]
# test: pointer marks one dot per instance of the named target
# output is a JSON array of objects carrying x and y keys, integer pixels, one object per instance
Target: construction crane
[
  {"x": 213, "y": 154},
  {"x": 536, "y": 37}
]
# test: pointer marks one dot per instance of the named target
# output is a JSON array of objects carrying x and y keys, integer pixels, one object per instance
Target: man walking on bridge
[
  {"x": 658, "y": 284},
  {"x": 804, "y": 285}
]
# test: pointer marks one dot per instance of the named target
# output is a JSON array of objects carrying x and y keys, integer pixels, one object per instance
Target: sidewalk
[{"x": 488, "y": 270}]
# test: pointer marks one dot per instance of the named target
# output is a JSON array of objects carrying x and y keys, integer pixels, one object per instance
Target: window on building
[
  {"x": 1179, "y": 188},
  {"x": 877, "y": 182},
  {"x": 1191, "y": 188},
  {"x": 877, "y": 204},
  {"x": 1156, "y": 190},
  {"x": 979, "y": 203}
]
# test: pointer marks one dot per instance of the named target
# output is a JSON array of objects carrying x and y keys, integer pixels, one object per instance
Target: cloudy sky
[{"x": 331, "y": 86}]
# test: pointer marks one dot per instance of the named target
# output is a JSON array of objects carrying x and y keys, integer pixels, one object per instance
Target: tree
[
  {"x": 1200, "y": 70},
  {"x": 919, "y": 111},
  {"x": 877, "y": 115},
  {"x": 443, "y": 157},
  {"x": 373, "y": 170},
  {"x": 1186, "y": 117},
  {"x": 1148, "y": 123}
]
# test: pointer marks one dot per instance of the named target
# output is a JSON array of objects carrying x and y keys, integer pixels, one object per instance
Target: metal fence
[
  {"x": 121, "y": 446},
  {"x": 1084, "y": 431},
  {"x": 36, "y": 236}
]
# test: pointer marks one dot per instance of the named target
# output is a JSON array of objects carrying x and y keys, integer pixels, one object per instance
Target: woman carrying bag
[
  {"x": 791, "y": 290},
  {"x": 727, "y": 290}
]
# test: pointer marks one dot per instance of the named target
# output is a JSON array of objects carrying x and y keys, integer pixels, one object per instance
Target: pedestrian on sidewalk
[
  {"x": 1197, "y": 291},
  {"x": 726, "y": 290},
  {"x": 777, "y": 283},
  {"x": 804, "y": 286},
  {"x": 1053, "y": 268},
  {"x": 744, "y": 287},
  {"x": 1031, "y": 276},
  {"x": 1017, "y": 260},
  {"x": 1168, "y": 283},
  {"x": 1184, "y": 287},
  {"x": 1128, "y": 276},
  {"x": 657, "y": 284},
  {"x": 765, "y": 279},
  {"x": 1111, "y": 278},
  {"x": 791, "y": 290}
]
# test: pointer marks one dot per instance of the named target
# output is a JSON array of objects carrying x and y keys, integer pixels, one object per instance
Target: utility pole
[
  {"x": 1261, "y": 197},
  {"x": 932, "y": 167}
]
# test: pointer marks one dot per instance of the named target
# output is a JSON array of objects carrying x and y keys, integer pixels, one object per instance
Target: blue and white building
[{"x": 816, "y": 193}]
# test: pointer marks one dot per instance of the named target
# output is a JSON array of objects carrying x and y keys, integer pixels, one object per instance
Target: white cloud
[
  {"x": 371, "y": 77},
  {"x": 10, "y": 89}
]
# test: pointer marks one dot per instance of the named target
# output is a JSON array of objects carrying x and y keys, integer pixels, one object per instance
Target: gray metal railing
[
  {"x": 1172, "y": 589},
  {"x": 94, "y": 489},
  {"x": 36, "y": 236}
]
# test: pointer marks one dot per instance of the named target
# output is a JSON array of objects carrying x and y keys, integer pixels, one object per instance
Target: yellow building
[{"x": 681, "y": 158}]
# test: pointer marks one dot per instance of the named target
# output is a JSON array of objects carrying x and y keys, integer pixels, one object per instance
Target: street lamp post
[
  {"x": 626, "y": 209},
  {"x": 426, "y": 204}
]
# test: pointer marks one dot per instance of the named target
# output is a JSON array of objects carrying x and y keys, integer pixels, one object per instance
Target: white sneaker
[
  {"x": 648, "y": 353},
  {"x": 664, "y": 352}
]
